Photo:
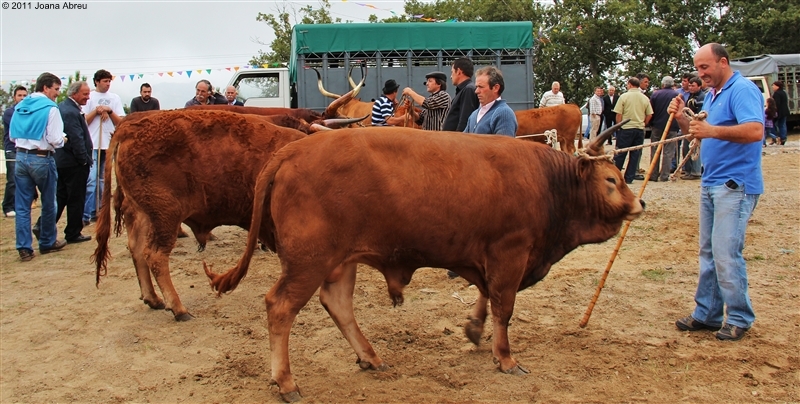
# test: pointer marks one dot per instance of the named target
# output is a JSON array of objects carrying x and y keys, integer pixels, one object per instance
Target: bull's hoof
[
  {"x": 365, "y": 365},
  {"x": 155, "y": 305},
  {"x": 474, "y": 330},
  {"x": 517, "y": 371},
  {"x": 201, "y": 247},
  {"x": 184, "y": 317},
  {"x": 291, "y": 397}
]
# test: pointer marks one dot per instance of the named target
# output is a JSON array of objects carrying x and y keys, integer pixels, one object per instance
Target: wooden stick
[{"x": 585, "y": 319}]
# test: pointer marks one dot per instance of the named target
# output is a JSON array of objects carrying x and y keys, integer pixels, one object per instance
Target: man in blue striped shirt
[{"x": 384, "y": 106}]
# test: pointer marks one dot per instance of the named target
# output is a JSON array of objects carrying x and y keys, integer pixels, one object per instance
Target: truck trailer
[{"x": 405, "y": 52}]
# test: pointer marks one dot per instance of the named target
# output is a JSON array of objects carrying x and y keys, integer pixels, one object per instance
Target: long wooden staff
[{"x": 585, "y": 319}]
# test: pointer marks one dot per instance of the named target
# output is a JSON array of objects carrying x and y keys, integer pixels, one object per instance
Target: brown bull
[
  {"x": 299, "y": 113},
  {"x": 497, "y": 211},
  {"x": 191, "y": 166},
  {"x": 353, "y": 107},
  {"x": 565, "y": 119}
]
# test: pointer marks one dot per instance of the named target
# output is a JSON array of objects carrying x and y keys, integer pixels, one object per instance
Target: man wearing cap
[
  {"x": 384, "y": 106},
  {"x": 435, "y": 107}
]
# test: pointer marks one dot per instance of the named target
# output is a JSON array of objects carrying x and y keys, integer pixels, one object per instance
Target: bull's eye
[{"x": 612, "y": 180}]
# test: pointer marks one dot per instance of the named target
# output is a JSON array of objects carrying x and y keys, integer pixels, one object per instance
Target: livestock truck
[
  {"x": 763, "y": 70},
  {"x": 405, "y": 52}
]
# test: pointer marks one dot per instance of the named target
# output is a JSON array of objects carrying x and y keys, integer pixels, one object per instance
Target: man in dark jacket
[
  {"x": 73, "y": 162},
  {"x": 782, "y": 102},
  {"x": 609, "y": 102},
  {"x": 465, "y": 101},
  {"x": 20, "y": 92}
]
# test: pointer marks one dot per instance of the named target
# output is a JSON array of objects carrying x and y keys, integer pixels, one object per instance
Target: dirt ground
[{"x": 63, "y": 340}]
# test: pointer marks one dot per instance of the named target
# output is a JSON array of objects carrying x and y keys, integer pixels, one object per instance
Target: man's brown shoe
[
  {"x": 25, "y": 255},
  {"x": 731, "y": 333},
  {"x": 59, "y": 244},
  {"x": 688, "y": 323}
]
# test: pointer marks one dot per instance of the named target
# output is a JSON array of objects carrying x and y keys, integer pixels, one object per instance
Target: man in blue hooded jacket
[{"x": 37, "y": 130}]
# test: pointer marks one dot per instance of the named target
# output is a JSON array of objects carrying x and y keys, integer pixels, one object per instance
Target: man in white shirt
[
  {"x": 37, "y": 130},
  {"x": 553, "y": 97},
  {"x": 103, "y": 113}
]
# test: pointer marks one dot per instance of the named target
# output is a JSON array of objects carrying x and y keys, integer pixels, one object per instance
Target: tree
[
  {"x": 763, "y": 27},
  {"x": 280, "y": 48}
]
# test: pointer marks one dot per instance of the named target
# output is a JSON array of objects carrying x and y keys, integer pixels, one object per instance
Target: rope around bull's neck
[{"x": 695, "y": 145}]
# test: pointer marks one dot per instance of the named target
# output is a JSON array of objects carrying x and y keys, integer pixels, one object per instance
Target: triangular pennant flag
[
  {"x": 170, "y": 74},
  {"x": 122, "y": 78},
  {"x": 180, "y": 73},
  {"x": 188, "y": 73},
  {"x": 160, "y": 74},
  {"x": 208, "y": 71},
  {"x": 132, "y": 76},
  {"x": 265, "y": 65},
  {"x": 141, "y": 75},
  {"x": 236, "y": 68},
  {"x": 228, "y": 68},
  {"x": 200, "y": 71},
  {"x": 113, "y": 78}
]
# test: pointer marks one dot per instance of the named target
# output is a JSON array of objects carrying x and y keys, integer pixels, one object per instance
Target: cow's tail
[
  {"x": 579, "y": 135},
  {"x": 103, "y": 229},
  {"x": 230, "y": 280}
]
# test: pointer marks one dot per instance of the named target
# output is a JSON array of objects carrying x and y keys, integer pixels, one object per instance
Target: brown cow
[
  {"x": 497, "y": 211},
  {"x": 191, "y": 166},
  {"x": 565, "y": 119}
]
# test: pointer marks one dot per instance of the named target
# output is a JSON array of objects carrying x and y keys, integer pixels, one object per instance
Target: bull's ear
[{"x": 584, "y": 167}]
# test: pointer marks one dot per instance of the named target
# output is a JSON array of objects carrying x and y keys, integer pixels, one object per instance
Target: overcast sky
[{"x": 148, "y": 37}]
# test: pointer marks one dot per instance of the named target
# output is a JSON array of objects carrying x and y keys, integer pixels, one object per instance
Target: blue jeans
[
  {"x": 780, "y": 128},
  {"x": 628, "y": 138},
  {"x": 30, "y": 172},
  {"x": 89, "y": 210},
  {"x": 724, "y": 213},
  {"x": 768, "y": 133}
]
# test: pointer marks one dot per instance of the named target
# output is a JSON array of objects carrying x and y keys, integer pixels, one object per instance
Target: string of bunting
[{"x": 174, "y": 73}]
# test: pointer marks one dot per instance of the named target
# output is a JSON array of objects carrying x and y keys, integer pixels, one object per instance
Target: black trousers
[{"x": 71, "y": 194}]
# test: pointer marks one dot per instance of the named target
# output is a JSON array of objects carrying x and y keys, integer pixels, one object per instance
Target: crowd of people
[{"x": 56, "y": 153}]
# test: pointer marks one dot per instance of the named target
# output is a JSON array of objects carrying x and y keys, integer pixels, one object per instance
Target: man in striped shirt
[
  {"x": 436, "y": 106},
  {"x": 383, "y": 108}
]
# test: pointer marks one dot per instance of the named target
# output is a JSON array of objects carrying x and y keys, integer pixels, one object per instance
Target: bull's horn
[
  {"x": 315, "y": 127},
  {"x": 597, "y": 143},
  {"x": 334, "y": 106},
  {"x": 357, "y": 88},
  {"x": 321, "y": 88},
  {"x": 340, "y": 122},
  {"x": 350, "y": 77}
]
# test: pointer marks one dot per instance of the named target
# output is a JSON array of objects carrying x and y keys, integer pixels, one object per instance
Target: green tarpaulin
[{"x": 332, "y": 38}]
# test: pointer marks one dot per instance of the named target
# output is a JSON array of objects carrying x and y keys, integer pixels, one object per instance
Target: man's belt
[{"x": 37, "y": 152}]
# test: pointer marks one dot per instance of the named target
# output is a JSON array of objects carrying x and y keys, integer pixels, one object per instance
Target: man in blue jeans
[
  {"x": 729, "y": 190},
  {"x": 37, "y": 130},
  {"x": 635, "y": 106}
]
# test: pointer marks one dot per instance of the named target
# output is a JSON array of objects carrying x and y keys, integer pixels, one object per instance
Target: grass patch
[{"x": 657, "y": 275}]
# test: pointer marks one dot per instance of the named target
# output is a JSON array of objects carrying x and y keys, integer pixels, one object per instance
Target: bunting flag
[
  {"x": 170, "y": 74},
  {"x": 188, "y": 73},
  {"x": 133, "y": 75}
]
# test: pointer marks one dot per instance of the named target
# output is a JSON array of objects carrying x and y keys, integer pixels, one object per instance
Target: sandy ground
[{"x": 63, "y": 340}]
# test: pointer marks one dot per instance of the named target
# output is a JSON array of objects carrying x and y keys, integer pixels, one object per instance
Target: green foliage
[{"x": 750, "y": 28}]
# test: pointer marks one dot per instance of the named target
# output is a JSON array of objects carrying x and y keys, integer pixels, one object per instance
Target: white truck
[{"x": 763, "y": 70}]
